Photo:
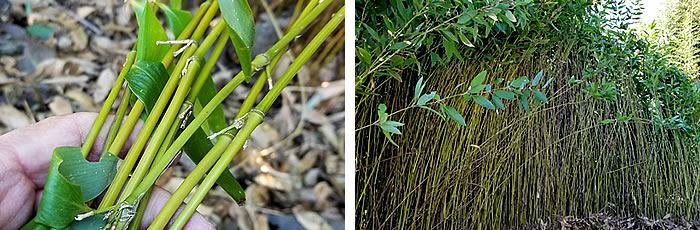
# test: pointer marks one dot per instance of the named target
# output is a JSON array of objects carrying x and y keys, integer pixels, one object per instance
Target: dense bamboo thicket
[{"x": 577, "y": 155}]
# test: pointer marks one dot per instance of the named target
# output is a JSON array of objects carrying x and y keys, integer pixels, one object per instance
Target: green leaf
[
  {"x": 393, "y": 123},
  {"x": 398, "y": 45},
  {"x": 537, "y": 78},
  {"x": 519, "y": 82},
  {"x": 150, "y": 31},
  {"x": 434, "y": 111},
  {"x": 453, "y": 114},
  {"x": 498, "y": 81},
  {"x": 504, "y": 94},
  {"x": 419, "y": 89},
  {"x": 483, "y": 102},
  {"x": 547, "y": 83},
  {"x": 71, "y": 182},
  {"x": 426, "y": 98},
  {"x": 217, "y": 120},
  {"x": 524, "y": 103},
  {"x": 364, "y": 56},
  {"x": 606, "y": 121},
  {"x": 389, "y": 128},
  {"x": 382, "y": 112},
  {"x": 497, "y": 101},
  {"x": 510, "y": 16},
  {"x": 94, "y": 222},
  {"x": 177, "y": 19},
  {"x": 176, "y": 4},
  {"x": 388, "y": 137},
  {"x": 33, "y": 225},
  {"x": 146, "y": 80},
  {"x": 477, "y": 88},
  {"x": 478, "y": 79},
  {"x": 241, "y": 29},
  {"x": 196, "y": 148},
  {"x": 40, "y": 31},
  {"x": 540, "y": 96},
  {"x": 92, "y": 177}
]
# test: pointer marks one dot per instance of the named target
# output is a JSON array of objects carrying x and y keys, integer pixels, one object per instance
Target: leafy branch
[{"x": 520, "y": 90}]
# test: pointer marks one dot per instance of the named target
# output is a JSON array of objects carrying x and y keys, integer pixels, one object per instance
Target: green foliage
[
  {"x": 453, "y": 28},
  {"x": 71, "y": 182},
  {"x": 177, "y": 19},
  {"x": 146, "y": 80},
  {"x": 241, "y": 29},
  {"x": 150, "y": 31},
  {"x": 477, "y": 91}
]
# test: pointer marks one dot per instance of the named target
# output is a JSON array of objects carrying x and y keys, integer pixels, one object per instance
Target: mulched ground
[
  {"x": 605, "y": 222},
  {"x": 62, "y": 56}
]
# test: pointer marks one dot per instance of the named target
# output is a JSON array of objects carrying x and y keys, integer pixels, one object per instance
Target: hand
[{"x": 25, "y": 155}]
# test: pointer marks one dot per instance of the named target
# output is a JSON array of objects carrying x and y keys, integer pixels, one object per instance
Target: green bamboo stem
[
  {"x": 192, "y": 179},
  {"x": 125, "y": 131},
  {"x": 255, "y": 117},
  {"x": 170, "y": 114},
  {"x": 118, "y": 119},
  {"x": 163, "y": 127},
  {"x": 195, "y": 23},
  {"x": 194, "y": 91},
  {"x": 107, "y": 106},
  {"x": 204, "y": 23},
  {"x": 208, "y": 66},
  {"x": 207, "y": 162},
  {"x": 145, "y": 132},
  {"x": 259, "y": 62}
]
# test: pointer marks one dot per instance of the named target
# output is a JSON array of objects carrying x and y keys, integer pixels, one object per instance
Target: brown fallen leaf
[
  {"x": 310, "y": 220},
  {"x": 60, "y": 106},
  {"x": 103, "y": 85},
  {"x": 13, "y": 118}
]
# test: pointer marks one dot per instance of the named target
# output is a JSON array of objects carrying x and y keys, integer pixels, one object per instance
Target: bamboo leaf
[
  {"x": 453, "y": 114},
  {"x": 146, "y": 80},
  {"x": 388, "y": 137},
  {"x": 426, "y": 98},
  {"x": 477, "y": 88},
  {"x": 94, "y": 222},
  {"x": 390, "y": 129},
  {"x": 510, "y": 16},
  {"x": 196, "y": 147},
  {"x": 177, "y": 19},
  {"x": 399, "y": 45},
  {"x": 547, "y": 83},
  {"x": 537, "y": 78},
  {"x": 504, "y": 94},
  {"x": 524, "y": 103},
  {"x": 434, "y": 111},
  {"x": 540, "y": 96},
  {"x": 478, "y": 79},
  {"x": 419, "y": 89},
  {"x": 519, "y": 82},
  {"x": 483, "y": 102},
  {"x": 150, "y": 31},
  {"x": 241, "y": 28},
  {"x": 71, "y": 182},
  {"x": 497, "y": 101},
  {"x": 217, "y": 120}
]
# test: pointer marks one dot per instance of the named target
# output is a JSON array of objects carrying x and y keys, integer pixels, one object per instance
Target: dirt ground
[{"x": 62, "y": 56}]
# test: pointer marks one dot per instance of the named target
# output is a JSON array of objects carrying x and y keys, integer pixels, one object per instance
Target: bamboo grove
[{"x": 618, "y": 133}]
